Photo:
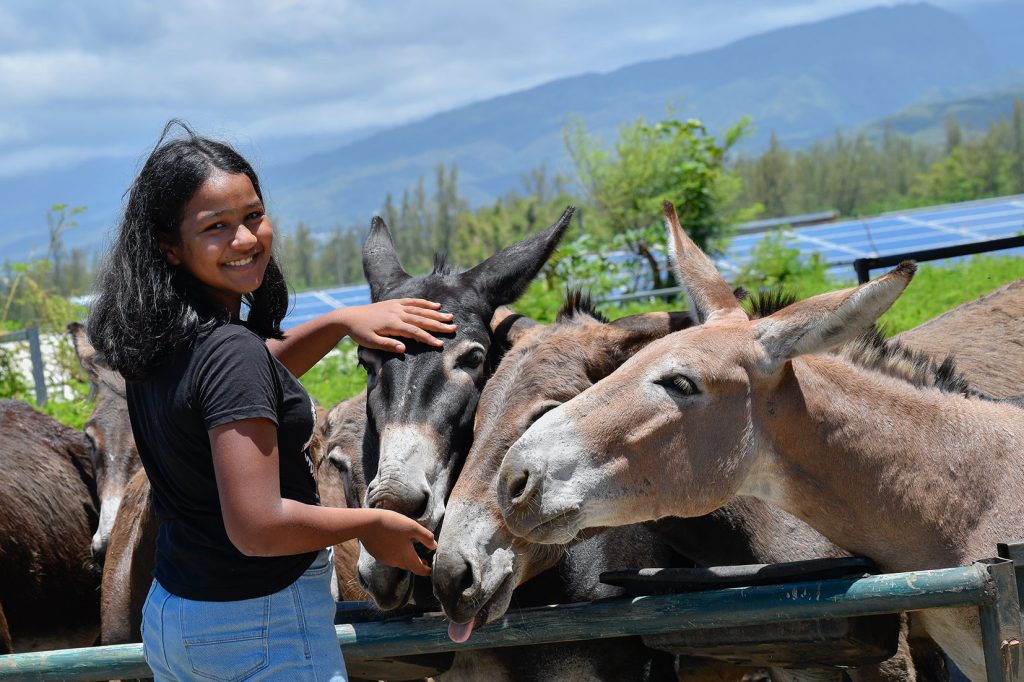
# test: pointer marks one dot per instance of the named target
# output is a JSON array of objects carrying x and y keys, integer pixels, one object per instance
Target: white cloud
[{"x": 79, "y": 76}]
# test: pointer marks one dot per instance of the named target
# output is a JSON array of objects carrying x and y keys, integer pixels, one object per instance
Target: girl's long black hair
[{"x": 145, "y": 308}]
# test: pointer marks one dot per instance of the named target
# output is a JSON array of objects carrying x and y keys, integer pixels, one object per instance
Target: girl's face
[{"x": 226, "y": 239}]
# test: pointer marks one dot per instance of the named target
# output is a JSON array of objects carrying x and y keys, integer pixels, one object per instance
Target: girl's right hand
[
  {"x": 375, "y": 325},
  {"x": 391, "y": 539}
]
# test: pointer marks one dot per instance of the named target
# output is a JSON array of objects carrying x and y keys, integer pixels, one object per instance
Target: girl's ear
[{"x": 171, "y": 254}]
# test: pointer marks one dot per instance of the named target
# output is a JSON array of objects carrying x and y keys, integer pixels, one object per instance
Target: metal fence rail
[
  {"x": 864, "y": 266},
  {"x": 36, "y": 353},
  {"x": 989, "y": 585}
]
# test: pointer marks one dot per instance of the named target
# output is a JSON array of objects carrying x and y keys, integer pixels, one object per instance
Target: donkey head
[
  {"x": 420, "y": 405},
  {"x": 108, "y": 431},
  {"x": 479, "y": 562},
  {"x": 679, "y": 429}
]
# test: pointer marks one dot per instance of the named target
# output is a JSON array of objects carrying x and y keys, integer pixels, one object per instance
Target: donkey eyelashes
[
  {"x": 679, "y": 384},
  {"x": 541, "y": 411},
  {"x": 471, "y": 359}
]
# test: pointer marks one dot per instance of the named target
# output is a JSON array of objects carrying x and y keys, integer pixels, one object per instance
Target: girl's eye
[
  {"x": 255, "y": 215},
  {"x": 215, "y": 226}
]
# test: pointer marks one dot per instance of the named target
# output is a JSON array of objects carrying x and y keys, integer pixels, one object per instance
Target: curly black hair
[{"x": 145, "y": 308}]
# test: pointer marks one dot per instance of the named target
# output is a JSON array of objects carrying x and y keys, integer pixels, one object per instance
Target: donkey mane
[
  {"x": 872, "y": 350},
  {"x": 578, "y": 303},
  {"x": 442, "y": 266},
  {"x": 768, "y": 301}
]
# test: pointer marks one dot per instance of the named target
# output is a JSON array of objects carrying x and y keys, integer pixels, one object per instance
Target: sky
[{"x": 86, "y": 79}]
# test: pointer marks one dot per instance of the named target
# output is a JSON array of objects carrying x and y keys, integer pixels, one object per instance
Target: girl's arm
[
  {"x": 368, "y": 325},
  {"x": 259, "y": 522}
]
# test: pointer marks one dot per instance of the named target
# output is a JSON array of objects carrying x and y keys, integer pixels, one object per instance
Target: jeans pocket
[{"x": 226, "y": 640}]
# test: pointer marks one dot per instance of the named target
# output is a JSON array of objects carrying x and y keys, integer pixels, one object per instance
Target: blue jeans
[{"x": 288, "y": 635}]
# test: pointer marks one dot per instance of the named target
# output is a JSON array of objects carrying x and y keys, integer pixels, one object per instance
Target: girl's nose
[{"x": 245, "y": 237}]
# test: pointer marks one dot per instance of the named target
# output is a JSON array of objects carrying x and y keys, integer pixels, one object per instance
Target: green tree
[
  {"x": 672, "y": 160},
  {"x": 770, "y": 178}
]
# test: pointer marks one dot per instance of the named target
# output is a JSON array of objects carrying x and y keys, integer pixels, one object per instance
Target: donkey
[
  {"x": 624, "y": 659},
  {"x": 916, "y": 476},
  {"x": 986, "y": 337},
  {"x": 420, "y": 405},
  {"x": 48, "y": 511},
  {"x": 115, "y": 458},
  {"x": 479, "y": 562}
]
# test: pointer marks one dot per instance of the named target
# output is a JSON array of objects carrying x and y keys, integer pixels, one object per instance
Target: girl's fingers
[
  {"x": 429, "y": 314},
  {"x": 425, "y": 538},
  {"x": 420, "y": 303},
  {"x": 384, "y": 343},
  {"x": 415, "y": 564},
  {"x": 413, "y": 332},
  {"x": 428, "y": 324}
]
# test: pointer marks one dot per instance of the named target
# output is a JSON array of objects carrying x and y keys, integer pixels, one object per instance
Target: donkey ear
[
  {"x": 509, "y": 327},
  {"x": 92, "y": 361},
  {"x": 503, "y": 277},
  {"x": 381, "y": 266},
  {"x": 633, "y": 332},
  {"x": 708, "y": 293},
  {"x": 821, "y": 322}
]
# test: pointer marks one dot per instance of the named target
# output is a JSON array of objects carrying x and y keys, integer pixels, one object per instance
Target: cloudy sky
[{"x": 81, "y": 79}]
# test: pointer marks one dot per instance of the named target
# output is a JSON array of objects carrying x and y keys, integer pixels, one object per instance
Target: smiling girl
[{"x": 241, "y": 586}]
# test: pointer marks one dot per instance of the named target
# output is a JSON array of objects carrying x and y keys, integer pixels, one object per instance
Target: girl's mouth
[{"x": 241, "y": 262}]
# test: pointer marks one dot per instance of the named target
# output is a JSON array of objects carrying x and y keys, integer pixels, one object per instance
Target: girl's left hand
[{"x": 412, "y": 318}]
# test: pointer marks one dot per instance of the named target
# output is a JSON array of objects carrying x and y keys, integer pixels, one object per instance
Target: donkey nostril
[
  {"x": 517, "y": 486},
  {"x": 466, "y": 580},
  {"x": 421, "y": 511}
]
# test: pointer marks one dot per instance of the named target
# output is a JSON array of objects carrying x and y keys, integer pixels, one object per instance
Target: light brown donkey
[{"x": 898, "y": 470}]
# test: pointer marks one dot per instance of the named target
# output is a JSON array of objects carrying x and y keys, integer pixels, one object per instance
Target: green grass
[
  {"x": 938, "y": 288},
  {"x": 70, "y": 412},
  {"x": 337, "y": 377}
]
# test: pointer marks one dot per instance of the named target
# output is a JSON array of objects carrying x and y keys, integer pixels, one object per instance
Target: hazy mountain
[
  {"x": 804, "y": 82},
  {"x": 927, "y": 122}
]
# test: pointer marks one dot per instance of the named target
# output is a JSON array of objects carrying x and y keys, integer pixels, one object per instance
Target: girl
[{"x": 242, "y": 578}]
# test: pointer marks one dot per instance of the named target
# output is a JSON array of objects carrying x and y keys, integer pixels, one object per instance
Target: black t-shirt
[{"x": 227, "y": 375}]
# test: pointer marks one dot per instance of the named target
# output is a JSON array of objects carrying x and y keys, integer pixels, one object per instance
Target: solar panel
[{"x": 839, "y": 243}]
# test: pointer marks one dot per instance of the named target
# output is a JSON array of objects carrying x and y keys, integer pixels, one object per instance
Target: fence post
[
  {"x": 38, "y": 375},
  {"x": 1001, "y": 624}
]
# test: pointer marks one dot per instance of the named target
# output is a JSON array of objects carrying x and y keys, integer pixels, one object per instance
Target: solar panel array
[{"x": 839, "y": 243}]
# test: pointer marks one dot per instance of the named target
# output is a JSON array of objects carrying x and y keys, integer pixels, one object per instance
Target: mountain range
[{"x": 802, "y": 82}]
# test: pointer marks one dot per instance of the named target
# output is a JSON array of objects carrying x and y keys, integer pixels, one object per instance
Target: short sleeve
[{"x": 235, "y": 380}]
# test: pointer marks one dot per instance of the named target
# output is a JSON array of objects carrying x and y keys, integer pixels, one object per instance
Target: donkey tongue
[{"x": 460, "y": 632}]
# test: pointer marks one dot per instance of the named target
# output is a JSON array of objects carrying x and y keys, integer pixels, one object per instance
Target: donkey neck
[{"x": 913, "y": 478}]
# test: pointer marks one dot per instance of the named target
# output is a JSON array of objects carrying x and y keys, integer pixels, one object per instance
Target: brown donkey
[
  {"x": 48, "y": 581},
  {"x": 109, "y": 434},
  {"x": 886, "y": 464},
  {"x": 480, "y": 562}
]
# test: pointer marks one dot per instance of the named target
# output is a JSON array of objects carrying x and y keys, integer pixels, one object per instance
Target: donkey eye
[
  {"x": 541, "y": 411},
  {"x": 679, "y": 384},
  {"x": 371, "y": 370},
  {"x": 472, "y": 359}
]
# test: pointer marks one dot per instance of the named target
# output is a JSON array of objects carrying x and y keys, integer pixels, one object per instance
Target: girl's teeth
[{"x": 244, "y": 261}]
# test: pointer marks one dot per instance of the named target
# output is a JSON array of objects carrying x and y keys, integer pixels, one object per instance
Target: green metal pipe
[{"x": 889, "y": 593}]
